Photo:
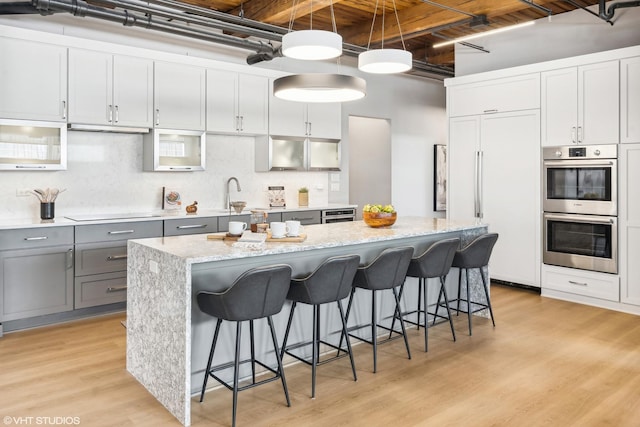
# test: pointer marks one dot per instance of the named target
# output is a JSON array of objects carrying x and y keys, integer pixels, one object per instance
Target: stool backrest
[
  {"x": 331, "y": 281},
  {"x": 436, "y": 260},
  {"x": 257, "y": 293},
  {"x": 387, "y": 271},
  {"x": 477, "y": 253}
]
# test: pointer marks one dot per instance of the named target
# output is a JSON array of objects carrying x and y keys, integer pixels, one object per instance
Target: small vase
[
  {"x": 303, "y": 199},
  {"x": 47, "y": 210}
]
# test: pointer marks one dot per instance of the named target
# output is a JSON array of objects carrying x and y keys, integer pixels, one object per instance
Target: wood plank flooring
[{"x": 547, "y": 363}]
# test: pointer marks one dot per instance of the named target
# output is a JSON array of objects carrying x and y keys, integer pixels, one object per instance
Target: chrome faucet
[{"x": 233, "y": 178}]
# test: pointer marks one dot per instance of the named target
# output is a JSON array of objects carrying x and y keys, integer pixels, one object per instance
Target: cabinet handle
[
  {"x": 295, "y": 218},
  {"x": 241, "y": 123},
  {"x": 185, "y": 168},
  {"x": 110, "y": 113},
  {"x": 116, "y": 289},
  {"x": 578, "y": 283},
  {"x": 30, "y": 167},
  {"x": 70, "y": 258},
  {"x": 121, "y": 232},
  {"x": 579, "y": 134},
  {"x": 29, "y": 239},
  {"x": 116, "y": 257},
  {"x": 117, "y": 118},
  {"x": 573, "y": 134},
  {"x": 493, "y": 111},
  {"x": 64, "y": 110},
  {"x": 157, "y": 116},
  {"x": 184, "y": 227}
]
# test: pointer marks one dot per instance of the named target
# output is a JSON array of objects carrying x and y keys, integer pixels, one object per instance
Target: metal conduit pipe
[
  {"x": 607, "y": 15},
  {"x": 82, "y": 9}
]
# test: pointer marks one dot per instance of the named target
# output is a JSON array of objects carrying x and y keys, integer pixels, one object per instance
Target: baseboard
[{"x": 516, "y": 285}]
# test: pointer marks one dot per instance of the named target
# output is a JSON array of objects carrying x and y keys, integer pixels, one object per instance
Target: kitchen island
[{"x": 168, "y": 338}]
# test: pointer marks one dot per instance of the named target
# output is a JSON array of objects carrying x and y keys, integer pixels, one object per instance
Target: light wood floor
[{"x": 547, "y": 363}]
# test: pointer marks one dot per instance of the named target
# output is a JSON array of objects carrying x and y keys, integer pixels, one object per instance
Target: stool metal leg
[
  {"x": 286, "y": 333},
  {"x": 426, "y": 317},
  {"x": 421, "y": 286},
  {"x": 486, "y": 294},
  {"x": 314, "y": 348},
  {"x": 459, "y": 290},
  {"x": 279, "y": 359},
  {"x": 374, "y": 336},
  {"x": 404, "y": 332},
  {"x": 346, "y": 318},
  {"x": 236, "y": 370},
  {"x": 468, "y": 300},
  {"x": 443, "y": 292},
  {"x": 344, "y": 331},
  {"x": 253, "y": 352},
  {"x": 213, "y": 347}
]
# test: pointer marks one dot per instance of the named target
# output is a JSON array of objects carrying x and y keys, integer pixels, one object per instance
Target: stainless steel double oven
[{"x": 581, "y": 207}]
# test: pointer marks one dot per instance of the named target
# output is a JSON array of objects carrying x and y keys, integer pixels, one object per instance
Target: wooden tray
[{"x": 228, "y": 237}]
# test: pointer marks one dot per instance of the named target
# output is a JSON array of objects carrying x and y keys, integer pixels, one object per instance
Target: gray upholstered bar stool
[
  {"x": 475, "y": 255},
  {"x": 434, "y": 262},
  {"x": 330, "y": 282},
  {"x": 256, "y": 294},
  {"x": 387, "y": 271}
]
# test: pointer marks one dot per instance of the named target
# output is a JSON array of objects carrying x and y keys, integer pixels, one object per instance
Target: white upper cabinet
[
  {"x": 179, "y": 96},
  {"x": 237, "y": 103},
  {"x": 494, "y": 96},
  {"x": 319, "y": 120},
  {"x": 33, "y": 80},
  {"x": 580, "y": 105},
  {"x": 630, "y": 100},
  {"x": 107, "y": 89}
]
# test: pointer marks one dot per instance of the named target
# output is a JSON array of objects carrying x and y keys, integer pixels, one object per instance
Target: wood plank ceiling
[{"x": 422, "y": 22}]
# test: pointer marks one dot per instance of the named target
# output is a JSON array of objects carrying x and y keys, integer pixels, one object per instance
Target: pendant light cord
[{"x": 373, "y": 23}]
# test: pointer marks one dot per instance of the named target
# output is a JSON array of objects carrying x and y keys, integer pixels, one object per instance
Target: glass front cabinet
[
  {"x": 33, "y": 145},
  {"x": 174, "y": 150}
]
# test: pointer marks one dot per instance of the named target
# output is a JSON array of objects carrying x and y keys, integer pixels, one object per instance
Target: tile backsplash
[{"x": 104, "y": 175}]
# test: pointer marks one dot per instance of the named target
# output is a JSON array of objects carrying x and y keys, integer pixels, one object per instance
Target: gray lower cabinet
[
  {"x": 36, "y": 272},
  {"x": 196, "y": 225},
  {"x": 101, "y": 260},
  {"x": 305, "y": 217}
]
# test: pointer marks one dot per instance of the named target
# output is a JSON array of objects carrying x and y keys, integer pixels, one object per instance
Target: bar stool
[
  {"x": 387, "y": 271},
  {"x": 475, "y": 255},
  {"x": 435, "y": 262},
  {"x": 256, "y": 294},
  {"x": 330, "y": 282}
]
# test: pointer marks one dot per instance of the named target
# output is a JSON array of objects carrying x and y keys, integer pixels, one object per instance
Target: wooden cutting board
[{"x": 227, "y": 237}]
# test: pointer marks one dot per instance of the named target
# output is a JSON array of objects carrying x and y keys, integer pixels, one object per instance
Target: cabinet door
[
  {"x": 630, "y": 100},
  {"x": 35, "y": 282},
  {"x": 287, "y": 118},
  {"x": 253, "y": 104},
  {"x": 132, "y": 91},
  {"x": 599, "y": 103},
  {"x": 33, "y": 80},
  {"x": 90, "y": 87},
  {"x": 464, "y": 143},
  {"x": 510, "y": 195},
  {"x": 222, "y": 89},
  {"x": 559, "y": 119},
  {"x": 629, "y": 223},
  {"x": 324, "y": 120},
  {"x": 179, "y": 96}
]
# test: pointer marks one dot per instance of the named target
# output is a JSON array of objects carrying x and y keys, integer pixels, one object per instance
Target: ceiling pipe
[
  {"x": 546, "y": 10},
  {"x": 608, "y": 14}
]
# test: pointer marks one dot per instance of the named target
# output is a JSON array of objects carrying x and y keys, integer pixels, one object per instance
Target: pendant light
[
  {"x": 311, "y": 44},
  {"x": 385, "y": 61},
  {"x": 316, "y": 87}
]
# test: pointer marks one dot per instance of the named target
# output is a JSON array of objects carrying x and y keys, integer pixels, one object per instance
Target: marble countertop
[
  {"x": 198, "y": 249},
  {"x": 106, "y": 218}
]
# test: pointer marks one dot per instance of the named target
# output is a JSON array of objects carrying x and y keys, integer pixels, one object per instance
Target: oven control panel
[{"x": 578, "y": 153}]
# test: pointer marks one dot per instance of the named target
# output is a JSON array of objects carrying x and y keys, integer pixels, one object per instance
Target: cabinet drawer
[
  {"x": 494, "y": 96},
  {"x": 100, "y": 289},
  {"x": 305, "y": 217},
  {"x": 178, "y": 227},
  {"x": 28, "y": 238},
  {"x": 580, "y": 282},
  {"x": 96, "y": 258},
  {"x": 117, "y": 231}
]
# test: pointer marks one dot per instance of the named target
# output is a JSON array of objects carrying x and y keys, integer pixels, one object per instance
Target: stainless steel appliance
[
  {"x": 338, "y": 215},
  {"x": 580, "y": 179},
  {"x": 588, "y": 242}
]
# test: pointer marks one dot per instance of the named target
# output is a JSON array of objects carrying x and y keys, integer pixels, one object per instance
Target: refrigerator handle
[
  {"x": 476, "y": 166},
  {"x": 480, "y": 185}
]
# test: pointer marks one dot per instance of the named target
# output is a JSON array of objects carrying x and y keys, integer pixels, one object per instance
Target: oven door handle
[
  {"x": 572, "y": 164},
  {"x": 588, "y": 219}
]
